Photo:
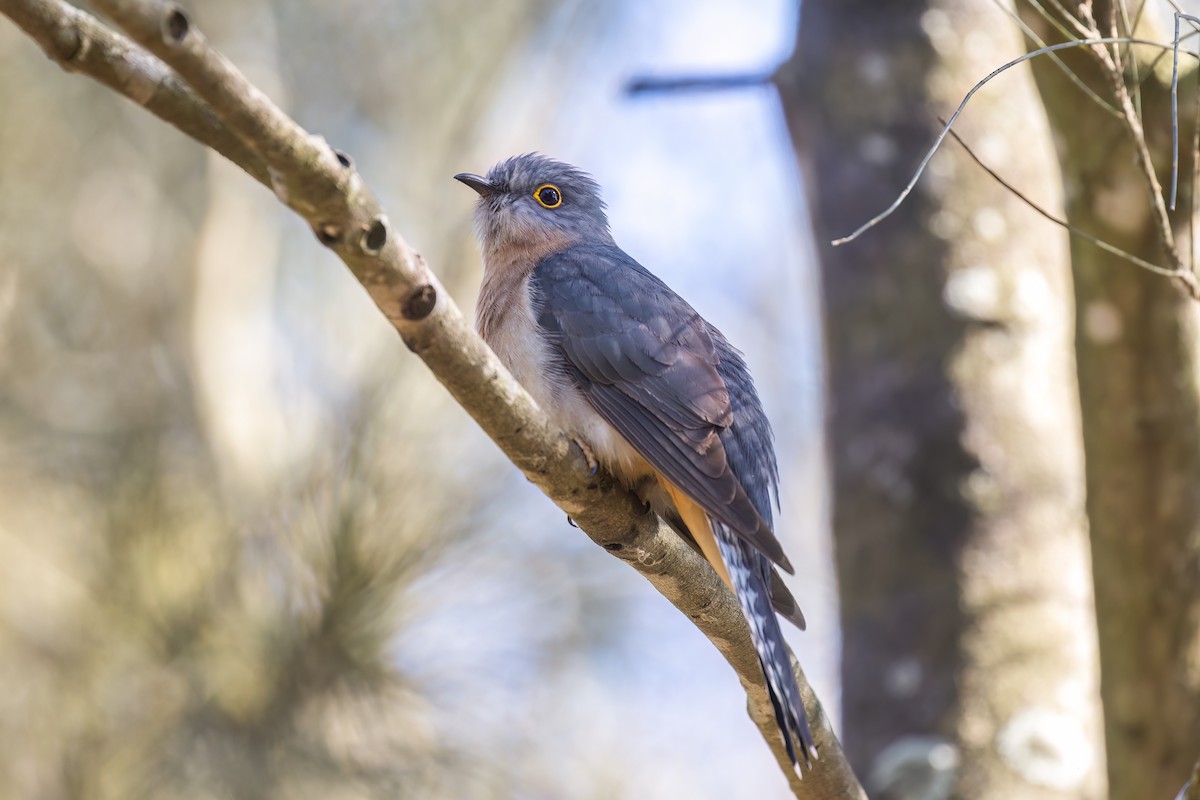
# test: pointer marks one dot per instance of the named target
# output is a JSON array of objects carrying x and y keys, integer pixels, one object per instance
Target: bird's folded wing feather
[{"x": 648, "y": 364}]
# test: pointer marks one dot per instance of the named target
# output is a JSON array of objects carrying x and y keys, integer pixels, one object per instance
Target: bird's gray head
[{"x": 536, "y": 203}]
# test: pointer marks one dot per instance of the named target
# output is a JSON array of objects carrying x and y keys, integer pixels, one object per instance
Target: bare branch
[
  {"x": 1191, "y": 789},
  {"x": 1128, "y": 61},
  {"x": 1175, "y": 105},
  {"x": 1161, "y": 217},
  {"x": 1195, "y": 177},
  {"x": 1056, "y": 23},
  {"x": 941, "y": 137},
  {"x": 225, "y": 111},
  {"x": 1058, "y": 62},
  {"x": 78, "y": 42},
  {"x": 1177, "y": 269},
  {"x": 1074, "y": 231}
]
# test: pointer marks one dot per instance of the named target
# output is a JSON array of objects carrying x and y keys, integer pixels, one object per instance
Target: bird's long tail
[{"x": 751, "y": 575}]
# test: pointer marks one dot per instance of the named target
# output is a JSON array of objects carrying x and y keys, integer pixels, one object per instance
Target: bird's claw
[{"x": 593, "y": 464}]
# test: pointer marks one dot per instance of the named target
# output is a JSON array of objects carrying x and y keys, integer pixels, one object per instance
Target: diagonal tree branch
[
  {"x": 1191, "y": 789},
  {"x": 79, "y": 42},
  {"x": 206, "y": 97}
]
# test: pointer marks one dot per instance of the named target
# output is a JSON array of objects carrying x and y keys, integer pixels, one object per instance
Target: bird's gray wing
[{"x": 650, "y": 366}]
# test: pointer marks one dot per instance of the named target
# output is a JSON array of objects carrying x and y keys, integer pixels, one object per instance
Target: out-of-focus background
[
  {"x": 250, "y": 549},
  {"x": 248, "y": 546}
]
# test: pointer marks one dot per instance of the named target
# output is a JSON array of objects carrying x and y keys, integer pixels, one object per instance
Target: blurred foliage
[{"x": 224, "y": 490}]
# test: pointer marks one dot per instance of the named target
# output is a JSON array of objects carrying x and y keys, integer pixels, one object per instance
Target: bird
[{"x": 647, "y": 388}]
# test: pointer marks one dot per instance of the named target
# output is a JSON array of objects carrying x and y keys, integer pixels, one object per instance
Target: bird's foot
[{"x": 589, "y": 456}]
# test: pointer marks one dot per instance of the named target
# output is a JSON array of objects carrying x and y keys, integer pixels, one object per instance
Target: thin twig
[
  {"x": 1195, "y": 173},
  {"x": 1082, "y": 234},
  {"x": 887, "y": 212},
  {"x": 1062, "y": 65},
  {"x": 1137, "y": 17},
  {"x": 1161, "y": 217},
  {"x": 1165, "y": 51},
  {"x": 1069, "y": 18},
  {"x": 1113, "y": 50},
  {"x": 1175, "y": 105},
  {"x": 1128, "y": 60}
]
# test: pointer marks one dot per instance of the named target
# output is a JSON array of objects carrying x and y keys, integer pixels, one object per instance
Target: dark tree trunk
[{"x": 953, "y": 434}]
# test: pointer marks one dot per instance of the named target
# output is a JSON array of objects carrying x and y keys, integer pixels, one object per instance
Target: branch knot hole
[
  {"x": 420, "y": 303},
  {"x": 375, "y": 236},
  {"x": 328, "y": 233},
  {"x": 74, "y": 45},
  {"x": 175, "y": 25}
]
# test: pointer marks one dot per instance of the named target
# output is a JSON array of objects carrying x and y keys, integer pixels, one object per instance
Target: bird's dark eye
[{"x": 548, "y": 195}]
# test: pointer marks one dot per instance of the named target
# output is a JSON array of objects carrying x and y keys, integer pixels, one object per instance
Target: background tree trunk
[
  {"x": 1135, "y": 346},
  {"x": 969, "y": 646}
]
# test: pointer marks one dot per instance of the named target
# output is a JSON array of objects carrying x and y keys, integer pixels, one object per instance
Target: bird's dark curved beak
[{"x": 480, "y": 184}]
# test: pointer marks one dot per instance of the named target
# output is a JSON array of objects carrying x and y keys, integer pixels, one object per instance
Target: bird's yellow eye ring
[{"x": 548, "y": 196}]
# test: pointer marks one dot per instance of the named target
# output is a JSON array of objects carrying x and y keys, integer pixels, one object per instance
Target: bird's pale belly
[{"x": 525, "y": 355}]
